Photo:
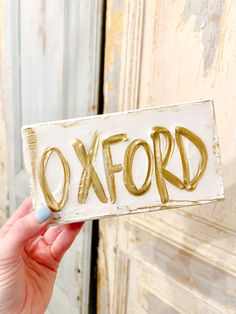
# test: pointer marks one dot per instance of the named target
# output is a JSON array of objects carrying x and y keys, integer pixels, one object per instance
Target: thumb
[{"x": 26, "y": 228}]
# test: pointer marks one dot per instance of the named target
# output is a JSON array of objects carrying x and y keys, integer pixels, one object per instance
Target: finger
[
  {"x": 65, "y": 239},
  {"x": 51, "y": 233},
  {"x": 24, "y": 209},
  {"x": 26, "y": 228}
]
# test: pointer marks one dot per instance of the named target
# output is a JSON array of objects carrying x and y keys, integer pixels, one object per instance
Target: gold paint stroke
[
  {"x": 50, "y": 200},
  {"x": 32, "y": 145},
  {"x": 89, "y": 176},
  {"x": 191, "y": 185},
  {"x": 128, "y": 165},
  {"x": 110, "y": 168},
  {"x": 161, "y": 163},
  {"x": 163, "y": 174}
]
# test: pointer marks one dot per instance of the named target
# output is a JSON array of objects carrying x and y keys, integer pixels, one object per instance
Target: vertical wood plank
[
  {"x": 83, "y": 25},
  {"x": 42, "y": 53}
]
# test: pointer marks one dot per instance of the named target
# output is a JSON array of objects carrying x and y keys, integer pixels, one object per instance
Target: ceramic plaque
[{"x": 123, "y": 163}]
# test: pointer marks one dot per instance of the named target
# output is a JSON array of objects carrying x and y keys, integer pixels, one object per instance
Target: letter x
[{"x": 89, "y": 176}]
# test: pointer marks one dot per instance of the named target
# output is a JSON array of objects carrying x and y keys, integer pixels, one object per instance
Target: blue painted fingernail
[{"x": 42, "y": 213}]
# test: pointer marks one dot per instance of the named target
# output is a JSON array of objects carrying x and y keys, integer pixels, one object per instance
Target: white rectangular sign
[{"x": 122, "y": 163}]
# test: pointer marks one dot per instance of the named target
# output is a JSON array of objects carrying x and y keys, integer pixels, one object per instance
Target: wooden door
[
  {"x": 51, "y": 61},
  {"x": 182, "y": 260}
]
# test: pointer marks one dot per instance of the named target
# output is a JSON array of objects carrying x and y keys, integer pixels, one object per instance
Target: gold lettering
[
  {"x": 128, "y": 165},
  {"x": 50, "y": 200},
  {"x": 161, "y": 163},
  {"x": 190, "y": 185},
  {"x": 89, "y": 176},
  {"x": 110, "y": 169}
]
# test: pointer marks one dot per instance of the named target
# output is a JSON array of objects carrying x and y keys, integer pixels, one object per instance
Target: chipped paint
[
  {"x": 208, "y": 16},
  {"x": 187, "y": 257},
  {"x": 114, "y": 33},
  {"x": 183, "y": 58},
  {"x": 31, "y": 138},
  {"x": 69, "y": 124}
]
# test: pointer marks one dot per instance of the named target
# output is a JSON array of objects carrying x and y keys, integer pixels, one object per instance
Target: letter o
[
  {"x": 50, "y": 200},
  {"x": 128, "y": 165}
]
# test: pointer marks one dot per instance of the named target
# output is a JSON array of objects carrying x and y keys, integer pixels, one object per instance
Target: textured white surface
[{"x": 197, "y": 117}]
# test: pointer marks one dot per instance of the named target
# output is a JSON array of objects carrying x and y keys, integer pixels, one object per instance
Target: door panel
[
  {"x": 182, "y": 260},
  {"x": 3, "y": 129},
  {"x": 53, "y": 62}
]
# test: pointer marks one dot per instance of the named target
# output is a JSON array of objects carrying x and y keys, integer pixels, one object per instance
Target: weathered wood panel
[
  {"x": 48, "y": 78},
  {"x": 184, "y": 51}
]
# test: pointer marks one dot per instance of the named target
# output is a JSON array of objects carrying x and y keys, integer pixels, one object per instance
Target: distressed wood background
[
  {"x": 49, "y": 70},
  {"x": 160, "y": 52},
  {"x": 184, "y": 260}
]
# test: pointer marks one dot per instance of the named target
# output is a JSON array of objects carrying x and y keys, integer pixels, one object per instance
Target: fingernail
[{"x": 42, "y": 213}]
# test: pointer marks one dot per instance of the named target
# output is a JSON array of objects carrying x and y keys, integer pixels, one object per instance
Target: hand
[{"x": 30, "y": 253}]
